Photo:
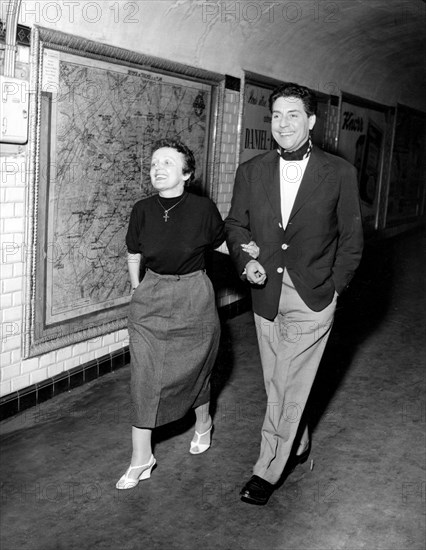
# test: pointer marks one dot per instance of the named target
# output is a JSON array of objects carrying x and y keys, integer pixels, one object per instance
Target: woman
[{"x": 173, "y": 323}]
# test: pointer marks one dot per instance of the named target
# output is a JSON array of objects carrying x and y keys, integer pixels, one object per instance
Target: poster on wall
[
  {"x": 99, "y": 116},
  {"x": 361, "y": 142},
  {"x": 408, "y": 171},
  {"x": 369, "y": 163},
  {"x": 256, "y": 128}
]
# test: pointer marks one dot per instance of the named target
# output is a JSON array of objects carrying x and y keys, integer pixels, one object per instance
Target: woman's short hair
[
  {"x": 290, "y": 89},
  {"x": 188, "y": 155}
]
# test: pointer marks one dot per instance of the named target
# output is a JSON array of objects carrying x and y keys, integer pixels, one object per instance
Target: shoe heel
[
  {"x": 146, "y": 474},
  {"x": 201, "y": 447}
]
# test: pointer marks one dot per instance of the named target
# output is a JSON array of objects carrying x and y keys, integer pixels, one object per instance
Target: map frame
[{"x": 43, "y": 332}]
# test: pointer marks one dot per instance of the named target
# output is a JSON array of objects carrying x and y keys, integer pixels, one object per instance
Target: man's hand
[{"x": 255, "y": 273}]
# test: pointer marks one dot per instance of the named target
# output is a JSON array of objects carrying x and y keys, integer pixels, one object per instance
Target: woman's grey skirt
[{"x": 174, "y": 336}]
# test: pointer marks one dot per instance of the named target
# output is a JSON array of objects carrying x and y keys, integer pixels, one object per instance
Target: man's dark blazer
[{"x": 322, "y": 244}]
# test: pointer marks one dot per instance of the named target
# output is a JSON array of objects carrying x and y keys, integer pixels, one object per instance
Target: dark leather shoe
[{"x": 257, "y": 491}]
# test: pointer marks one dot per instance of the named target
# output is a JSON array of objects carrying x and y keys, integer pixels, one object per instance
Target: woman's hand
[{"x": 252, "y": 249}]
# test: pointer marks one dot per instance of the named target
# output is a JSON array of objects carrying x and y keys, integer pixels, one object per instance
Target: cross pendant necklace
[{"x": 166, "y": 211}]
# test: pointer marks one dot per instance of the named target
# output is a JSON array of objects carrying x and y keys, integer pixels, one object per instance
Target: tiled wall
[
  {"x": 12, "y": 213},
  {"x": 228, "y": 165},
  {"x": 229, "y": 153}
]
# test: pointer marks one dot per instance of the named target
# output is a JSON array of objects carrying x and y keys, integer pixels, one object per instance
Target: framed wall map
[{"x": 98, "y": 110}]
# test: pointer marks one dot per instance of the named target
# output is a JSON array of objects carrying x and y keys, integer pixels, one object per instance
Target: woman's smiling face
[{"x": 167, "y": 172}]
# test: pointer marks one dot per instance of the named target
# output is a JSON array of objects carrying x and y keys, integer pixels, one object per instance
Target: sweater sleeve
[
  {"x": 237, "y": 224},
  {"x": 216, "y": 226},
  {"x": 133, "y": 231}
]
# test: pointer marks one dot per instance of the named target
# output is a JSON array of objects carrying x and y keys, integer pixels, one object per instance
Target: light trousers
[{"x": 291, "y": 347}]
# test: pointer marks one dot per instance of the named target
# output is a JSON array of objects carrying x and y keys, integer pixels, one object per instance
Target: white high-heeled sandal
[
  {"x": 196, "y": 447},
  {"x": 126, "y": 482}
]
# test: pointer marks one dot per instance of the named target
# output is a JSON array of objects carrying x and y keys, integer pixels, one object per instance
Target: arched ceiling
[{"x": 371, "y": 48}]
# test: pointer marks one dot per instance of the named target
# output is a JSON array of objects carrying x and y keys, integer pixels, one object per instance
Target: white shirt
[{"x": 291, "y": 174}]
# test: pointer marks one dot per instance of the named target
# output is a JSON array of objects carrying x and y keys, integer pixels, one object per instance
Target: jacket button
[
  {"x": 280, "y": 270},
  {"x": 280, "y": 225},
  {"x": 284, "y": 246}
]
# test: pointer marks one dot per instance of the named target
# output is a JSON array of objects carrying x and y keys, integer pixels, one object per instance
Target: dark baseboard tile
[
  {"x": 91, "y": 371},
  {"x": 31, "y": 396},
  {"x": 44, "y": 391},
  {"x": 9, "y": 405}
]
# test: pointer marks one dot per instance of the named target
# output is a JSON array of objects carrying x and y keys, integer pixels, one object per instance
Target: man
[{"x": 300, "y": 206}]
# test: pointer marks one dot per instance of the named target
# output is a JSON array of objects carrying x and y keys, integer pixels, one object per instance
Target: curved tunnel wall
[{"x": 371, "y": 49}]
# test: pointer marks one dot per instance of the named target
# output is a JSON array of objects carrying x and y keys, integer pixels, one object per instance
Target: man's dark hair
[
  {"x": 294, "y": 90},
  {"x": 189, "y": 160}
]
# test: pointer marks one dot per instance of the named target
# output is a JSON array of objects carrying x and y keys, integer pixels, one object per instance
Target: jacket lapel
[
  {"x": 271, "y": 182},
  {"x": 312, "y": 178}
]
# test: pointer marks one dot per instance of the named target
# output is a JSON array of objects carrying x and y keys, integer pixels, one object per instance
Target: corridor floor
[{"x": 366, "y": 490}]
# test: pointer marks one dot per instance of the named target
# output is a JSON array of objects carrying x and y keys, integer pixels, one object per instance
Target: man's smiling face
[{"x": 290, "y": 123}]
